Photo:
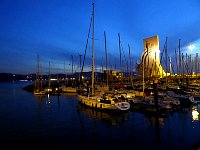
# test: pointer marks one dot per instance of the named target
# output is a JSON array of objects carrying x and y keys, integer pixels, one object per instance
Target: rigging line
[
  {"x": 123, "y": 53},
  {"x": 86, "y": 48},
  {"x": 126, "y": 61}
]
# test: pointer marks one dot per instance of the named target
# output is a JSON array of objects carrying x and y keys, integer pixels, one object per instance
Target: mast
[
  {"x": 120, "y": 54},
  {"x": 72, "y": 64},
  {"x": 92, "y": 48},
  {"x": 37, "y": 80},
  {"x": 196, "y": 69},
  {"x": 170, "y": 67},
  {"x": 131, "y": 72},
  {"x": 176, "y": 59},
  {"x": 49, "y": 76},
  {"x": 179, "y": 56},
  {"x": 39, "y": 75},
  {"x": 65, "y": 72},
  {"x": 106, "y": 59},
  {"x": 182, "y": 64},
  {"x": 166, "y": 53},
  {"x": 80, "y": 67},
  {"x": 72, "y": 70}
]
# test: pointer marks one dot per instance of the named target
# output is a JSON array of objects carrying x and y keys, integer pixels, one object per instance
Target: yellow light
[{"x": 195, "y": 115}]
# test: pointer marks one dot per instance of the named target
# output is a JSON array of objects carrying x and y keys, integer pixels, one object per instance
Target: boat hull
[{"x": 95, "y": 102}]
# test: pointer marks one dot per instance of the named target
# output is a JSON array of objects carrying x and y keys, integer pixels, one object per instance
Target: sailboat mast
[
  {"x": 49, "y": 76},
  {"x": 37, "y": 79},
  {"x": 130, "y": 73},
  {"x": 80, "y": 68},
  {"x": 93, "y": 48},
  {"x": 166, "y": 52},
  {"x": 120, "y": 56},
  {"x": 170, "y": 66},
  {"x": 179, "y": 56},
  {"x": 65, "y": 72},
  {"x": 106, "y": 60},
  {"x": 196, "y": 68},
  {"x": 72, "y": 64}
]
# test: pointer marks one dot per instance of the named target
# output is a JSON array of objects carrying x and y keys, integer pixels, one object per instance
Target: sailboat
[
  {"x": 38, "y": 89},
  {"x": 100, "y": 101},
  {"x": 65, "y": 88}
]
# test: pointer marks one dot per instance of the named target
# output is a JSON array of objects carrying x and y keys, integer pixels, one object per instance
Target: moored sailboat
[
  {"x": 65, "y": 88},
  {"x": 100, "y": 101},
  {"x": 38, "y": 89}
]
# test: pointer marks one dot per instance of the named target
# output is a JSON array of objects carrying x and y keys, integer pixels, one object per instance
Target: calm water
[{"x": 30, "y": 122}]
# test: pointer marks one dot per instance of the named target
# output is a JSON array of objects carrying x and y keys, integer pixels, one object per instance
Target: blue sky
[{"x": 56, "y": 30}]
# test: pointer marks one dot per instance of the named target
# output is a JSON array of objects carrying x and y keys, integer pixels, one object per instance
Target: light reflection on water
[
  {"x": 195, "y": 113},
  {"x": 111, "y": 118},
  {"x": 57, "y": 122}
]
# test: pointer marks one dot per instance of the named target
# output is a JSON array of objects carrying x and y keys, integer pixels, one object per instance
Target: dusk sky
[{"x": 56, "y": 30}]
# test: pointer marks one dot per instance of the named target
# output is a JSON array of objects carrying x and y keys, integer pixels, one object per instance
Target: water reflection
[
  {"x": 40, "y": 97},
  {"x": 70, "y": 94},
  {"x": 45, "y": 98},
  {"x": 48, "y": 99},
  {"x": 154, "y": 120},
  {"x": 195, "y": 113},
  {"x": 111, "y": 118}
]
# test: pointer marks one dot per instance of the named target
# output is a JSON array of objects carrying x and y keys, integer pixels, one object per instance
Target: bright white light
[
  {"x": 53, "y": 79},
  {"x": 195, "y": 115},
  {"x": 191, "y": 47}
]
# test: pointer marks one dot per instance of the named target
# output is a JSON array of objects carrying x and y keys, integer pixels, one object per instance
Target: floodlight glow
[{"x": 191, "y": 47}]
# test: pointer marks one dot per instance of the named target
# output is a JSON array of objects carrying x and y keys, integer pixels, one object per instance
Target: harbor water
[{"x": 59, "y": 122}]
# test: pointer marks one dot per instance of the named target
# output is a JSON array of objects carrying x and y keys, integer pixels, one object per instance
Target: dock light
[{"x": 191, "y": 47}]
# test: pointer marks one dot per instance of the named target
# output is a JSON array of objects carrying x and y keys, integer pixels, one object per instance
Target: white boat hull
[{"x": 94, "y": 102}]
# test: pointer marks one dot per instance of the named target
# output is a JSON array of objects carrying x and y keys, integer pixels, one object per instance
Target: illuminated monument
[{"x": 150, "y": 59}]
